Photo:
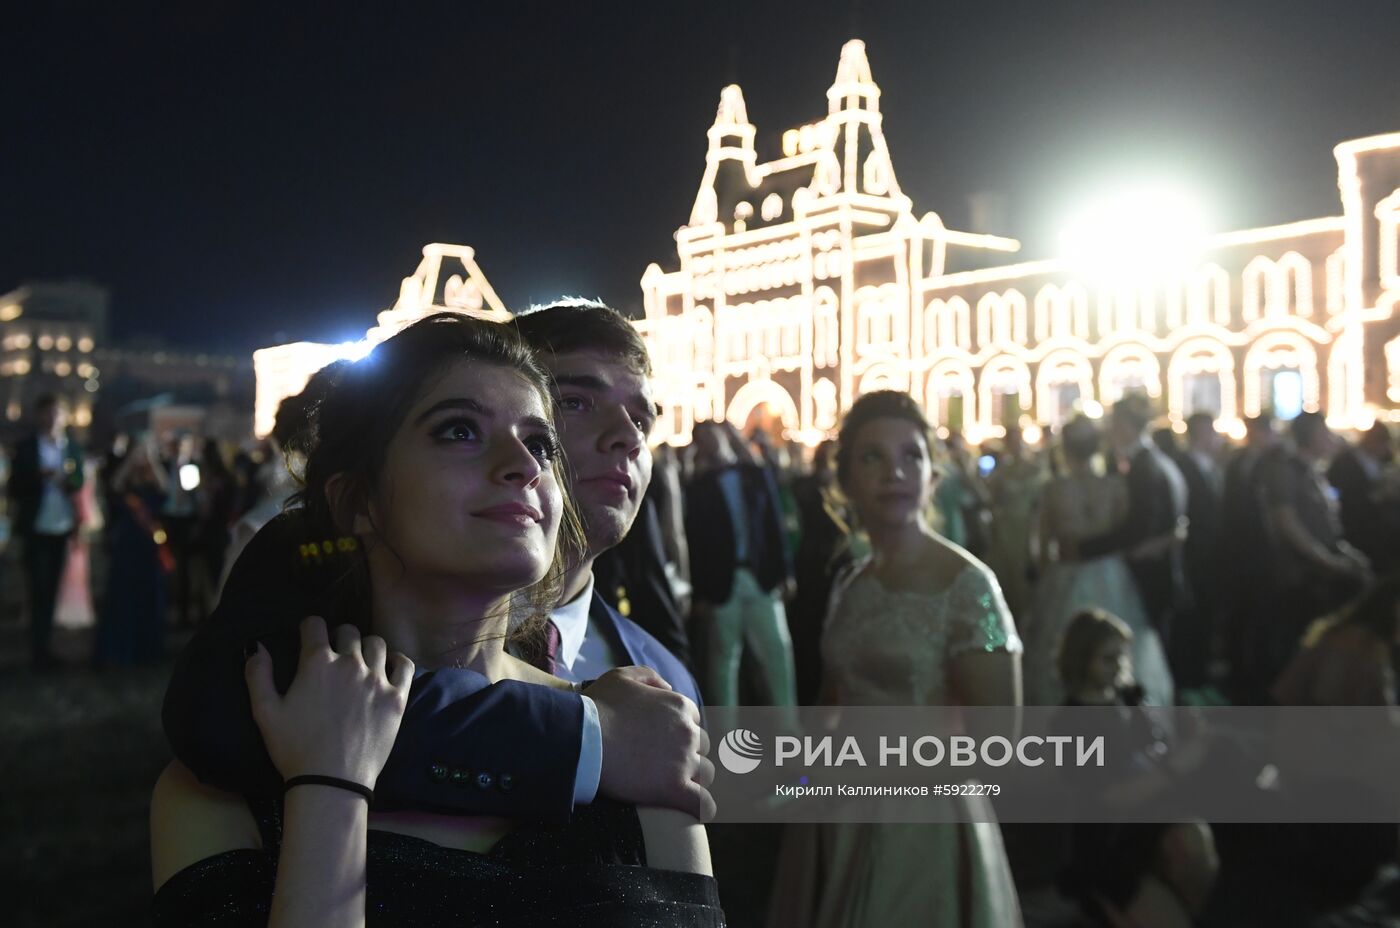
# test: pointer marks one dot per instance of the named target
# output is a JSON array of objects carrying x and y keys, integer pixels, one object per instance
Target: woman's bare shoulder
[
  {"x": 675, "y": 841},
  {"x": 191, "y": 821}
]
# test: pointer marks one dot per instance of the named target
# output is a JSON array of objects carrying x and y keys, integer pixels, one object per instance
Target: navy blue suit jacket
[
  {"x": 457, "y": 726},
  {"x": 642, "y": 648},
  {"x": 465, "y": 745}
]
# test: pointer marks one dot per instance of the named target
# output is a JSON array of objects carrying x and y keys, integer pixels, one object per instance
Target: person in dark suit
[
  {"x": 46, "y": 476},
  {"x": 740, "y": 568},
  {"x": 1313, "y": 569},
  {"x": 1151, "y": 536},
  {"x": 556, "y": 749},
  {"x": 1370, "y": 507},
  {"x": 822, "y": 550},
  {"x": 1248, "y": 586},
  {"x": 632, "y": 577},
  {"x": 1205, "y": 483}
]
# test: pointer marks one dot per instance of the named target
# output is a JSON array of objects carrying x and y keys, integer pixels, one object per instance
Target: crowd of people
[
  {"x": 520, "y": 605},
  {"x": 132, "y": 541}
]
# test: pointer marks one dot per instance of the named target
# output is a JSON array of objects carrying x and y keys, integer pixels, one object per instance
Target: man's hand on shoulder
[{"x": 653, "y": 746}]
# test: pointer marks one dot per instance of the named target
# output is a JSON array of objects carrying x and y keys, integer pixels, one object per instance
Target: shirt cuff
[{"x": 590, "y": 756}]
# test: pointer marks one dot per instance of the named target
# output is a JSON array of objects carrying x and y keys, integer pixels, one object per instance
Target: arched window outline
[
  {"x": 1277, "y": 288},
  {"x": 826, "y": 328},
  {"x": 1125, "y": 357},
  {"x": 1001, "y": 319},
  {"x": 1388, "y": 240},
  {"x": 1209, "y": 297},
  {"x": 951, "y": 377},
  {"x": 1201, "y": 356},
  {"x": 878, "y": 323},
  {"x": 951, "y": 322},
  {"x": 1392, "y": 363},
  {"x": 882, "y": 377},
  {"x": 756, "y": 392},
  {"x": 997, "y": 372},
  {"x": 1061, "y": 312},
  {"x": 1057, "y": 368},
  {"x": 1275, "y": 351}
]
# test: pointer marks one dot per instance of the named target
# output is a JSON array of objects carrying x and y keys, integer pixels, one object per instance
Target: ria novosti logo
[{"x": 741, "y": 751}]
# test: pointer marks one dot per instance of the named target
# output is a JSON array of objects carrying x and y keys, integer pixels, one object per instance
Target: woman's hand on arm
[
  {"x": 341, "y": 714},
  {"x": 338, "y": 719}
]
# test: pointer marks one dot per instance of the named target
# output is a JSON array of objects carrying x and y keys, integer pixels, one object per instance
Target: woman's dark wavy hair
[
  {"x": 881, "y": 404},
  {"x": 355, "y": 417}
]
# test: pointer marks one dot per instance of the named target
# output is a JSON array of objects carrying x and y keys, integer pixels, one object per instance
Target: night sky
[{"x": 239, "y": 177}]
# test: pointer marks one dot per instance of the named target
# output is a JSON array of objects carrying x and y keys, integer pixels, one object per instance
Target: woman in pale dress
[
  {"x": 1082, "y": 503},
  {"x": 920, "y": 622}
]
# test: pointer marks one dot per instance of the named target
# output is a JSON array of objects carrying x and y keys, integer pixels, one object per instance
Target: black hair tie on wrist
[{"x": 312, "y": 779}]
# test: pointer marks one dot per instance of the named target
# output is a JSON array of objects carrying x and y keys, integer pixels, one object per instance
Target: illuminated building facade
[
  {"x": 447, "y": 280},
  {"x": 808, "y": 280},
  {"x": 49, "y": 332},
  {"x": 152, "y": 387}
]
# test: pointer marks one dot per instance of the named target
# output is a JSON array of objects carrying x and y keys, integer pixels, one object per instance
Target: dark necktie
[{"x": 551, "y": 648}]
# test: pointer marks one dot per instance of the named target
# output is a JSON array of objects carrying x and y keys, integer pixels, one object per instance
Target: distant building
[
  {"x": 49, "y": 333},
  {"x": 808, "y": 280},
  {"x": 447, "y": 279},
  {"x": 166, "y": 390}
]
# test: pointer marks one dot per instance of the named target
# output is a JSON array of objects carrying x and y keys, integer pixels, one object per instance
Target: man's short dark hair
[
  {"x": 1261, "y": 424},
  {"x": 1307, "y": 426},
  {"x": 1200, "y": 423},
  {"x": 1134, "y": 410},
  {"x": 574, "y": 324}
]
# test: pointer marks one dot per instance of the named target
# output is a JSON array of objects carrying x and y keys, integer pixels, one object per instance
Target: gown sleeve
[{"x": 979, "y": 620}]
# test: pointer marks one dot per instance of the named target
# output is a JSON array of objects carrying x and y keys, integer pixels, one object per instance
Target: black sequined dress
[{"x": 590, "y": 872}]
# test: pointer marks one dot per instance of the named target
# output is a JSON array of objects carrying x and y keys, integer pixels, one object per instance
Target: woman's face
[
  {"x": 890, "y": 477},
  {"x": 469, "y": 493},
  {"x": 1110, "y": 665}
]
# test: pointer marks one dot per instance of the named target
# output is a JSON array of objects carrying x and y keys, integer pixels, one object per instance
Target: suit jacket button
[
  {"x": 461, "y": 776},
  {"x": 484, "y": 780},
  {"x": 438, "y": 772},
  {"x": 506, "y": 782}
]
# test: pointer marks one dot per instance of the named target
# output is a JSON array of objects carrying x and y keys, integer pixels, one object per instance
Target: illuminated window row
[{"x": 1200, "y": 377}]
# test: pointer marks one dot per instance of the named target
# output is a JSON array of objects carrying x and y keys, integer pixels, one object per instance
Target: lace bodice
[{"x": 884, "y": 647}]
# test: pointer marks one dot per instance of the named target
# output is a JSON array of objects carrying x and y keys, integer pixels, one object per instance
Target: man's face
[{"x": 606, "y": 411}]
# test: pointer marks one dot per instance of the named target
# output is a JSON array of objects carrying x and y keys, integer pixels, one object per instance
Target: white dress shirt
[
  {"x": 55, "y": 515},
  {"x": 584, "y": 654}
]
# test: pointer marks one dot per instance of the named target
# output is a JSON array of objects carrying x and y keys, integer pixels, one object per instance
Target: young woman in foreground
[{"x": 438, "y": 456}]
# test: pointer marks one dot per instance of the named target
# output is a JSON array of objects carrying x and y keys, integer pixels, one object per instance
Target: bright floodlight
[
  {"x": 1136, "y": 232},
  {"x": 353, "y": 351}
]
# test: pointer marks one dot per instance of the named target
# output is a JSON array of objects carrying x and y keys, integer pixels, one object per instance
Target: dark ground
[{"x": 80, "y": 750}]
